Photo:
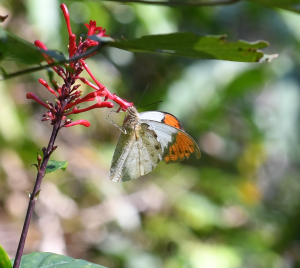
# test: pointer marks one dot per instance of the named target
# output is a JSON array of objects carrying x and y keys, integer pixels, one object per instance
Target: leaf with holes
[{"x": 197, "y": 46}]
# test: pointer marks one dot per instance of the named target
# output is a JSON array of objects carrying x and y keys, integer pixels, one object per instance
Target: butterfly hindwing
[{"x": 176, "y": 144}]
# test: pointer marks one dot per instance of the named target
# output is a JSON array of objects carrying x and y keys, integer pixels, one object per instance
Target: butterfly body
[{"x": 147, "y": 139}]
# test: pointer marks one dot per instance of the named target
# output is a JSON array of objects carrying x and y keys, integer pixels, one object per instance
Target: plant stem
[{"x": 33, "y": 196}]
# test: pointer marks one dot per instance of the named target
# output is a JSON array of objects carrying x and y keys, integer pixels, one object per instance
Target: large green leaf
[
  {"x": 15, "y": 48},
  {"x": 52, "y": 260},
  {"x": 54, "y": 165},
  {"x": 177, "y": 44},
  {"x": 4, "y": 259},
  {"x": 197, "y": 46},
  {"x": 291, "y": 5}
]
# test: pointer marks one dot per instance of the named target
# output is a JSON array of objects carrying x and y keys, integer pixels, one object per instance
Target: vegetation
[{"x": 238, "y": 206}]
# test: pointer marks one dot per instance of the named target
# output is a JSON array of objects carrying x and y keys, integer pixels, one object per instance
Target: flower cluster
[{"x": 68, "y": 96}]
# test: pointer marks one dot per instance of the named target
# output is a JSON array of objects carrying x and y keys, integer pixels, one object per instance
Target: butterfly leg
[{"x": 112, "y": 122}]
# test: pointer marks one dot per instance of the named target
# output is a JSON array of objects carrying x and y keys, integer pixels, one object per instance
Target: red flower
[
  {"x": 93, "y": 29},
  {"x": 68, "y": 96}
]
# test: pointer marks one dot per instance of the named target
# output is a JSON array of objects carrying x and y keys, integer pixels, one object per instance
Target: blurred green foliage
[{"x": 238, "y": 206}]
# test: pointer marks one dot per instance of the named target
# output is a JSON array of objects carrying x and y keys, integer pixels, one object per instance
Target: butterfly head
[{"x": 132, "y": 118}]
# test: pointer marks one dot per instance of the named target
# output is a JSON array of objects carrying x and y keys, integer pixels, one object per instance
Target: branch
[
  {"x": 35, "y": 193},
  {"x": 39, "y": 68}
]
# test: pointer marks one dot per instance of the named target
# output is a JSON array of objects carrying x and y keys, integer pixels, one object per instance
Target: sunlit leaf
[
  {"x": 196, "y": 46},
  {"x": 4, "y": 259},
  {"x": 291, "y": 5},
  {"x": 54, "y": 165},
  {"x": 51, "y": 260}
]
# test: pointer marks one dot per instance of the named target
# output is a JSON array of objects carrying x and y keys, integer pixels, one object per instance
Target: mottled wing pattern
[
  {"x": 176, "y": 144},
  {"x": 137, "y": 153},
  {"x": 123, "y": 148}
]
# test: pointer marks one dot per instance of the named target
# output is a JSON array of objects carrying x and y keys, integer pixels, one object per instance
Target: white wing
[
  {"x": 137, "y": 153},
  {"x": 152, "y": 115}
]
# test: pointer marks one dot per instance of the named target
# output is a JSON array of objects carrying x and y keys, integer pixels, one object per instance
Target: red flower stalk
[{"x": 67, "y": 95}]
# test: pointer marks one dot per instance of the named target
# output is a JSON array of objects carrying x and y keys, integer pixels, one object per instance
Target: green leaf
[
  {"x": 52, "y": 260},
  {"x": 197, "y": 46},
  {"x": 4, "y": 259},
  {"x": 102, "y": 39},
  {"x": 15, "y": 48},
  {"x": 54, "y": 165},
  {"x": 54, "y": 54}
]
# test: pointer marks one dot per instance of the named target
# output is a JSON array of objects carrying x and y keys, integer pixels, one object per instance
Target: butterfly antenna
[
  {"x": 150, "y": 104},
  {"x": 143, "y": 93}
]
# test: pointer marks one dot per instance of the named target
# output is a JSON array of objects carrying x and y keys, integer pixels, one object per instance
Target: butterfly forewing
[
  {"x": 141, "y": 154},
  {"x": 161, "y": 117},
  {"x": 120, "y": 156}
]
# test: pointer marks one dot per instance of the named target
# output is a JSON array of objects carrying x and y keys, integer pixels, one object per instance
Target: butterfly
[{"x": 146, "y": 139}]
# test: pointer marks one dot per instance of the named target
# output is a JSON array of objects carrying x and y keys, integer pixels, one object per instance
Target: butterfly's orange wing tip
[{"x": 172, "y": 121}]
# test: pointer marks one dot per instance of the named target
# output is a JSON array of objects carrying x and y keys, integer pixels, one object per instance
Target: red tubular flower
[
  {"x": 89, "y": 97},
  {"x": 39, "y": 44},
  {"x": 44, "y": 83},
  {"x": 79, "y": 122},
  {"x": 123, "y": 104},
  {"x": 59, "y": 70},
  {"x": 93, "y": 29},
  {"x": 67, "y": 17},
  {"x": 34, "y": 97},
  {"x": 97, "y": 105},
  {"x": 84, "y": 80},
  {"x": 72, "y": 46}
]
